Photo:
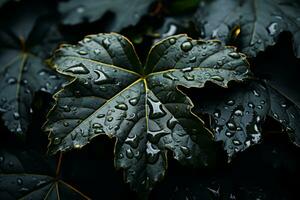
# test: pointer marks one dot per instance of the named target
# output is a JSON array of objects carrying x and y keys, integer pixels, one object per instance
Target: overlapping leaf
[
  {"x": 113, "y": 94},
  {"x": 238, "y": 115},
  {"x": 20, "y": 181},
  {"x": 24, "y": 44},
  {"x": 254, "y": 24},
  {"x": 126, "y": 14}
]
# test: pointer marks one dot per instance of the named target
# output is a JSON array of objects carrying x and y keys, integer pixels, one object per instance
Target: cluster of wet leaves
[{"x": 166, "y": 86}]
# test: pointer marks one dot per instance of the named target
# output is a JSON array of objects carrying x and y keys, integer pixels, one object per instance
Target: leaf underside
[
  {"x": 125, "y": 14},
  {"x": 113, "y": 94},
  {"x": 253, "y": 25},
  {"x": 24, "y": 46},
  {"x": 18, "y": 183},
  {"x": 238, "y": 115}
]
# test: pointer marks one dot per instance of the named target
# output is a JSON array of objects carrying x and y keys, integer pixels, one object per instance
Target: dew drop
[
  {"x": 231, "y": 126},
  {"x": 272, "y": 28},
  {"x": 19, "y": 181},
  {"x": 11, "y": 80},
  {"x": 234, "y": 55},
  {"x": 78, "y": 69},
  {"x": 236, "y": 142},
  {"x": 102, "y": 77},
  {"x": 186, "y": 46},
  {"x": 229, "y": 134},
  {"x": 133, "y": 101},
  {"x": 217, "y": 78},
  {"x": 172, "y": 40},
  {"x": 189, "y": 77},
  {"x": 129, "y": 153},
  {"x": 56, "y": 140},
  {"x": 156, "y": 109},
  {"x": 106, "y": 43},
  {"x": 81, "y": 52},
  {"x": 230, "y": 102},
  {"x": 187, "y": 69},
  {"x": 122, "y": 106},
  {"x": 16, "y": 115},
  {"x": 193, "y": 59},
  {"x": 185, "y": 150}
]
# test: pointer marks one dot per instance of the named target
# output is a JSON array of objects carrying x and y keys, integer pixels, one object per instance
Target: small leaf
[
  {"x": 238, "y": 115},
  {"x": 18, "y": 183},
  {"x": 113, "y": 94},
  {"x": 25, "y": 43},
  {"x": 253, "y": 24},
  {"x": 126, "y": 14}
]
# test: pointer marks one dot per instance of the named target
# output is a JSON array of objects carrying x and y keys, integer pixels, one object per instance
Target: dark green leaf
[
  {"x": 255, "y": 24},
  {"x": 114, "y": 94},
  {"x": 238, "y": 115},
  {"x": 126, "y": 14},
  {"x": 24, "y": 44},
  {"x": 19, "y": 179}
]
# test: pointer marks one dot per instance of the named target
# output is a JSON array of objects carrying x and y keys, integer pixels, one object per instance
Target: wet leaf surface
[
  {"x": 125, "y": 14},
  {"x": 237, "y": 117},
  {"x": 252, "y": 25},
  {"x": 114, "y": 94},
  {"x": 21, "y": 179},
  {"x": 24, "y": 45}
]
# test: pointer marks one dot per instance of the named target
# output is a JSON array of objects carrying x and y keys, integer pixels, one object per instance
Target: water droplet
[
  {"x": 171, "y": 123},
  {"x": 121, "y": 106},
  {"x": 16, "y": 115},
  {"x": 217, "y": 78},
  {"x": 229, "y": 134},
  {"x": 220, "y": 62},
  {"x": 19, "y": 181},
  {"x": 106, "y": 43},
  {"x": 132, "y": 141},
  {"x": 97, "y": 51},
  {"x": 230, "y": 102},
  {"x": 156, "y": 109},
  {"x": 251, "y": 105},
  {"x": 217, "y": 113},
  {"x": 80, "y": 10},
  {"x": 275, "y": 115},
  {"x": 100, "y": 116},
  {"x": 154, "y": 136},
  {"x": 255, "y": 93},
  {"x": 186, "y": 46},
  {"x": 185, "y": 150},
  {"x": 81, "y": 52},
  {"x": 283, "y": 105},
  {"x": 272, "y": 28},
  {"x": 66, "y": 108},
  {"x": 66, "y": 124},
  {"x": 78, "y": 69},
  {"x": 238, "y": 113},
  {"x": 193, "y": 59},
  {"x": 236, "y": 142},
  {"x": 152, "y": 153},
  {"x": 102, "y": 77},
  {"x": 170, "y": 76},
  {"x": 231, "y": 126},
  {"x": 129, "y": 153},
  {"x": 110, "y": 119},
  {"x": 12, "y": 80},
  {"x": 189, "y": 77},
  {"x": 56, "y": 141},
  {"x": 172, "y": 40},
  {"x": 187, "y": 69},
  {"x": 234, "y": 55},
  {"x": 134, "y": 101}
]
